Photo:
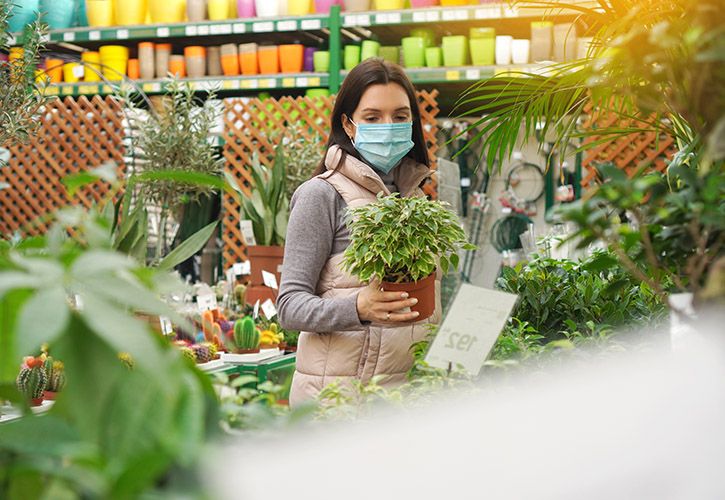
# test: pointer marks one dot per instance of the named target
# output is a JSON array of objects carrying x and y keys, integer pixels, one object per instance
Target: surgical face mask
[{"x": 383, "y": 145}]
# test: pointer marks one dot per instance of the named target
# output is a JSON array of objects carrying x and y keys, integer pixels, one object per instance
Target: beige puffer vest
[{"x": 375, "y": 350}]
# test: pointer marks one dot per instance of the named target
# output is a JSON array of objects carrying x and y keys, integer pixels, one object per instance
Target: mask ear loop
[{"x": 349, "y": 136}]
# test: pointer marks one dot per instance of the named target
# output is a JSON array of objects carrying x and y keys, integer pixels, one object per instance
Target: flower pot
[
  {"x": 195, "y": 60},
  {"x": 177, "y": 66},
  {"x": 146, "y": 62},
  {"x": 92, "y": 66},
  {"x": 266, "y": 8},
  {"x": 247, "y": 351},
  {"x": 259, "y": 293},
  {"x": 248, "y": 59},
  {"x": 114, "y": 59},
  {"x": 162, "y": 55},
  {"x": 308, "y": 63},
  {"x": 357, "y": 5},
  {"x": 54, "y": 70},
  {"x": 428, "y": 36},
  {"x": 265, "y": 258},
  {"x": 542, "y": 35},
  {"x": 81, "y": 16},
  {"x": 423, "y": 290},
  {"x": 316, "y": 93},
  {"x": 351, "y": 56},
  {"x": 230, "y": 59},
  {"x": 324, "y": 6},
  {"x": 100, "y": 13},
  {"x": 58, "y": 14},
  {"x": 49, "y": 395},
  {"x": 167, "y": 11},
  {"x": 565, "y": 42},
  {"x": 133, "y": 70},
  {"x": 455, "y": 50},
  {"x": 434, "y": 57},
  {"x": 268, "y": 60},
  {"x": 72, "y": 72},
  {"x": 195, "y": 10},
  {"x": 369, "y": 49},
  {"x": 503, "y": 49},
  {"x": 36, "y": 401},
  {"x": 246, "y": 8},
  {"x": 22, "y": 13},
  {"x": 219, "y": 10},
  {"x": 520, "y": 51},
  {"x": 130, "y": 12},
  {"x": 390, "y": 53},
  {"x": 321, "y": 61},
  {"x": 299, "y": 7},
  {"x": 416, "y": 4},
  {"x": 453, "y": 3},
  {"x": 214, "y": 61},
  {"x": 291, "y": 58},
  {"x": 389, "y": 4},
  {"x": 483, "y": 45},
  {"x": 413, "y": 52}
]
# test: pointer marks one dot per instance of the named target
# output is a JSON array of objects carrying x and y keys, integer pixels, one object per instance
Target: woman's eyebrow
[{"x": 403, "y": 108}]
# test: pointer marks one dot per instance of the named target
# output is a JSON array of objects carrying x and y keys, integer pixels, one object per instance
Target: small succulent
[
  {"x": 246, "y": 335},
  {"x": 55, "y": 372},
  {"x": 32, "y": 379},
  {"x": 189, "y": 353},
  {"x": 202, "y": 353}
]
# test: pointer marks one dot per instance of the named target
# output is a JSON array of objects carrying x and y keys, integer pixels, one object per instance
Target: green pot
[
  {"x": 351, "y": 56},
  {"x": 482, "y": 51},
  {"x": 482, "y": 33},
  {"x": 317, "y": 92},
  {"x": 413, "y": 52},
  {"x": 433, "y": 57},
  {"x": 428, "y": 36},
  {"x": 455, "y": 50},
  {"x": 370, "y": 48},
  {"x": 390, "y": 53},
  {"x": 321, "y": 61}
]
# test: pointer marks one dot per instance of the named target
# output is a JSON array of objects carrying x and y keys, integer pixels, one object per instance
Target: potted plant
[
  {"x": 55, "y": 375},
  {"x": 246, "y": 336},
  {"x": 267, "y": 208},
  {"x": 401, "y": 242},
  {"x": 32, "y": 380},
  {"x": 271, "y": 337}
]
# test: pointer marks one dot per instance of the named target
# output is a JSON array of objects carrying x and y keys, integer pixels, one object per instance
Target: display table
[{"x": 278, "y": 370}]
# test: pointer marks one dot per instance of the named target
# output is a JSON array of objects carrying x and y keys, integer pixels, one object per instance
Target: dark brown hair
[{"x": 371, "y": 72}]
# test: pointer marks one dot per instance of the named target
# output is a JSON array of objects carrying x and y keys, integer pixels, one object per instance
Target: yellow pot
[
  {"x": 452, "y": 3},
  {"x": 389, "y": 4},
  {"x": 92, "y": 63},
  {"x": 218, "y": 10},
  {"x": 299, "y": 7},
  {"x": 167, "y": 11},
  {"x": 100, "y": 12},
  {"x": 71, "y": 73},
  {"x": 114, "y": 59},
  {"x": 130, "y": 12}
]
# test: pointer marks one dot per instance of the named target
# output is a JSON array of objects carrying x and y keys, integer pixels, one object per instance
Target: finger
[
  {"x": 391, "y": 296},
  {"x": 401, "y": 317},
  {"x": 400, "y": 304}
]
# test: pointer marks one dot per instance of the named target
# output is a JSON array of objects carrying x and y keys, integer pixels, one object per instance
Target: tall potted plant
[{"x": 401, "y": 242}]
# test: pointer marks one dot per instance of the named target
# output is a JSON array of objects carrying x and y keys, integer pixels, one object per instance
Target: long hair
[{"x": 371, "y": 72}]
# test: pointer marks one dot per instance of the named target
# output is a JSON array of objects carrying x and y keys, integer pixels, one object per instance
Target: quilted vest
[{"x": 374, "y": 350}]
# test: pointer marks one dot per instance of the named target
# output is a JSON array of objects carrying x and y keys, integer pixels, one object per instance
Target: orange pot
[
  {"x": 177, "y": 66},
  {"x": 268, "y": 59},
  {"x": 248, "y": 59},
  {"x": 230, "y": 65},
  {"x": 291, "y": 58},
  {"x": 134, "y": 69},
  {"x": 54, "y": 70}
]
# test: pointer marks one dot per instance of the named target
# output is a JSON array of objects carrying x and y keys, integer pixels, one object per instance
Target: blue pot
[
  {"x": 22, "y": 13},
  {"x": 81, "y": 18},
  {"x": 59, "y": 14}
]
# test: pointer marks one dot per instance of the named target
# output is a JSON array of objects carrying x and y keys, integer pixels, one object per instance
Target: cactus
[
  {"x": 240, "y": 294},
  {"x": 55, "y": 371},
  {"x": 202, "y": 352},
  {"x": 226, "y": 326},
  {"x": 246, "y": 335},
  {"x": 207, "y": 325},
  {"x": 32, "y": 379},
  {"x": 189, "y": 353},
  {"x": 213, "y": 349}
]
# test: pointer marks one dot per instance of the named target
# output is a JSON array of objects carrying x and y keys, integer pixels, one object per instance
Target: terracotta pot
[
  {"x": 49, "y": 395},
  {"x": 269, "y": 346},
  {"x": 259, "y": 293},
  {"x": 423, "y": 290},
  {"x": 265, "y": 258},
  {"x": 146, "y": 59},
  {"x": 195, "y": 58},
  {"x": 214, "y": 61},
  {"x": 134, "y": 70},
  {"x": 246, "y": 351},
  {"x": 36, "y": 401},
  {"x": 291, "y": 348},
  {"x": 163, "y": 53}
]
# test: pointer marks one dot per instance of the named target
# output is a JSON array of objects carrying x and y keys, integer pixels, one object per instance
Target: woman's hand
[{"x": 373, "y": 304}]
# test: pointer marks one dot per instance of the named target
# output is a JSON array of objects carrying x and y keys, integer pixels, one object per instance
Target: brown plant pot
[
  {"x": 423, "y": 290},
  {"x": 259, "y": 293},
  {"x": 269, "y": 346},
  {"x": 265, "y": 258},
  {"x": 291, "y": 348},
  {"x": 36, "y": 401},
  {"x": 247, "y": 351},
  {"x": 49, "y": 395}
]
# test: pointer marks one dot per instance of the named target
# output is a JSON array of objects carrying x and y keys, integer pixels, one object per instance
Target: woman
[{"x": 350, "y": 330}]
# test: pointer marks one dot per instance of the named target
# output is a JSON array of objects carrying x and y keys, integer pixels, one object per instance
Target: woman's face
[{"x": 380, "y": 103}]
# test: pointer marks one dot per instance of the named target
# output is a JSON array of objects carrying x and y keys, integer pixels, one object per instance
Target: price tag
[
  {"x": 87, "y": 89},
  {"x": 94, "y": 35},
  {"x": 453, "y": 75},
  {"x": 52, "y": 90},
  {"x": 471, "y": 328},
  {"x": 264, "y": 27},
  {"x": 225, "y": 29},
  {"x": 256, "y": 310},
  {"x": 302, "y": 82},
  {"x": 288, "y": 82},
  {"x": 206, "y": 302},
  {"x": 270, "y": 280},
  {"x": 230, "y": 84},
  {"x": 363, "y": 20},
  {"x": 509, "y": 11},
  {"x": 67, "y": 90},
  {"x": 122, "y": 34},
  {"x": 473, "y": 74},
  {"x": 247, "y": 230},
  {"x": 461, "y": 15},
  {"x": 269, "y": 83},
  {"x": 394, "y": 18},
  {"x": 215, "y": 29},
  {"x": 449, "y": 15},
  {"x": 151, "y": 87},
  {"x": 381, "y": 19},
  {"x": 69, "y": 37},
  {"x": 166, "y": 326},
  {"x": 191, "y": 30},
  {"x": 286, "y": 25},
  {"x": 242, "y": 268},
  {"x": 311, "y": 24},
  {"x": 163, "y": 32},
  {"x": 268, "y": 309},
  {"x": 349, "y": 21},
  {"x": 107, "y": 89},
  {"x": 250, "y": 84},
  {"x": 314, "y": 82},
  {"x": 465, "y": 182},
  {"x": 203, "y": 30},
  {"x": 239, "y": 28},
  {"x": 419, "y": 17},
  {"x": 433, "y": 16}
]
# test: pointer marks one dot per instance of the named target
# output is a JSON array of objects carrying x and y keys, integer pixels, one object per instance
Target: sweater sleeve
[{"x": 310, "y": 235}]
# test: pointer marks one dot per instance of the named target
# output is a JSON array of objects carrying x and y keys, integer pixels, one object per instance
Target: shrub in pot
[{"x": 401, "y": 242}]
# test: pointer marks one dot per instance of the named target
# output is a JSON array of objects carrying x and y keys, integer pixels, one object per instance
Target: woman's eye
[{"x": 371, "y": 119}]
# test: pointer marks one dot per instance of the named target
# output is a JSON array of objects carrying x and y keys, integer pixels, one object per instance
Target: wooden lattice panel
[
  {"x": 256, "y": 126},
  {"x": 76, "y": 134},
  {"x": 628, "y": 152}
]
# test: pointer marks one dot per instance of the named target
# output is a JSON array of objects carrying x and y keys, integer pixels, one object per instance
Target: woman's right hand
[{"x": 373, "y": 304}]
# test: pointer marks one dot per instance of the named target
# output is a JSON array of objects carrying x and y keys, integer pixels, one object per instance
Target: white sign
[
  {"x": 166, "y": 327},
  {"x": 268, "y": 309},
  {"x": 242, "y": 268},
  {"x": 206, "y": 302},
  {"x": 256, "y": 309},
  {"x": 247, "y": 230},
  {"x": 270, "y": 280},
  {"x": 471, "y": 328}
]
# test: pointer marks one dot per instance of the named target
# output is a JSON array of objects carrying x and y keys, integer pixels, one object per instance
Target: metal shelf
[{"x": 465, "y": 74}]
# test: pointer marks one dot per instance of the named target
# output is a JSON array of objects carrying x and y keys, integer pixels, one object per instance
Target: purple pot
[
  {"x": 308, "y": 64},
  {"x": 245, "y": 8}
]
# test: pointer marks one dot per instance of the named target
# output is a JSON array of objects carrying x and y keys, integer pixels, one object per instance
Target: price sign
[
  {"x": 166, "y": 327},
  {"x": 163, "y": 32},
  {"x": 264, "y": 27},
  {"x": 471, "y": 328},
  {"x": 245, "y": 226},
  {"x": 203, "y": 29},
  {"x": 69, "y": 37},
  {"x": 256, "y": 309},
  {"x": 94, "y": 35},
  {"x": 122, "y": 34},
  {"x": 270, "y": 280},
  {"x": 311, "y": 24},
  {"x": 206, "y": 302},
  {"x": 239, "y": 28},
  {"x": 242, "y": 268},
  {"x": 286, "y": 25},
  {"x": 191, "y": 30},
  {"x": 268, "y": 309}
]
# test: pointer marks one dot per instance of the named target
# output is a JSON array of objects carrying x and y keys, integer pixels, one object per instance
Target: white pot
[
  {"x": 503, "y": 50},
  {"x": 267, "y": 8},
  {"x": 520, "y": 51}
]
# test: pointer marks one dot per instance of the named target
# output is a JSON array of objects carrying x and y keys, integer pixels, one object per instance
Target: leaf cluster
[{"x": 401, "y": 240}]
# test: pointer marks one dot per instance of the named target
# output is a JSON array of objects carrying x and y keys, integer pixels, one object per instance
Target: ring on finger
[{"x": 387, "y": 317}]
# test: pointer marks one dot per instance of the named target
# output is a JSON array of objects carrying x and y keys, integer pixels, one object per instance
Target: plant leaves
[{"x": 188, "y": 247}]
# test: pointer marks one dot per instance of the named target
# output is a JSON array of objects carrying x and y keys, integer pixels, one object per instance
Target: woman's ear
[{"x": 348, "y": 127}]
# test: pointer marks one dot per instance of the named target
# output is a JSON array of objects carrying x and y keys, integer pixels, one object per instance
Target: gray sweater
[{"x": 315, "y": 232}]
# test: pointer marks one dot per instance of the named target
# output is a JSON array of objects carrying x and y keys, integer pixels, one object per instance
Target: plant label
[
  {"x": 470, "y": 330},
  {"x": 242, "y": 268},
  {"x": 245, "y": 226},
  {"x": 206, "y": 302},
  {"x": 256, "y": 310},
  {"x": 166, "y": 327},
  {"x": 270, "y": 280},
  {"x": 269, "y": 310}
]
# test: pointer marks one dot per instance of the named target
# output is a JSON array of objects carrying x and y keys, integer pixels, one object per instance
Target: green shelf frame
[{"x": 463, "y": 74}]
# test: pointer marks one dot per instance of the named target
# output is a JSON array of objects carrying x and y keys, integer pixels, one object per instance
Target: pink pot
[
  {"x": 324, "y": 6},
  {"x": 245, "y": 8},
  {"x": 423, "y": 3}
]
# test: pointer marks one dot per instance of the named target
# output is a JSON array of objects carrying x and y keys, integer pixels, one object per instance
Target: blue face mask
[{"x": 383, "y": 145}]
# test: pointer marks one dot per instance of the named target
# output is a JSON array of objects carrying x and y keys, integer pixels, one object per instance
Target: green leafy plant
[
  {"x": 267, "y": 205},
  {"x": 402, "y": 239},
  {"x": 301, "y": 155}
]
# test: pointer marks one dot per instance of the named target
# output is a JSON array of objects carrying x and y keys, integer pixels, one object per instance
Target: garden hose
[
  {"x": 525, "y": 183},
  {"x": 506, "y": 231}
]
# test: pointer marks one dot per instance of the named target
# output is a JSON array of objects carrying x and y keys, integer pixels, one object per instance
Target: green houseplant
[{"x": 401, "y": 242}]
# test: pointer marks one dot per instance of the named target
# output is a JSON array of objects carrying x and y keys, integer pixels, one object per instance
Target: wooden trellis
[
  {"x": 256, "y": 126},
  {"x": 628, "y": 152},
  {"x": 76, "y": 134}
]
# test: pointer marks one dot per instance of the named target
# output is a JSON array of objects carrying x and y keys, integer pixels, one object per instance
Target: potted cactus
[
  {"x": 55, "y": 375},
  {"x": 271, "y": 337},
  {"x": 246, "y": 336},
  {"x": 32, "y": 379},
  {"x": 204, "y": 352}
]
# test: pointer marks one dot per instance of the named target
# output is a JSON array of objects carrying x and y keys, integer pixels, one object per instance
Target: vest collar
[{"x": 408, "y": 174}]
